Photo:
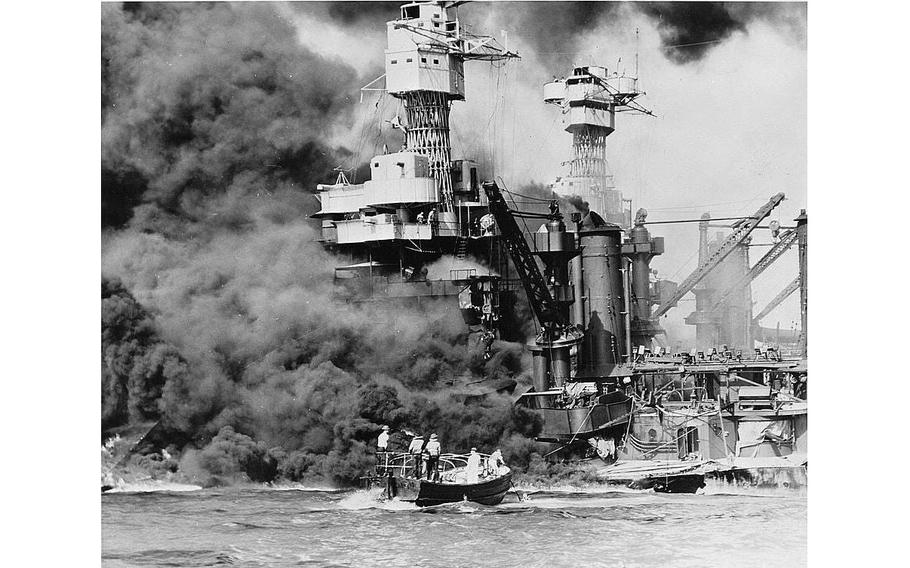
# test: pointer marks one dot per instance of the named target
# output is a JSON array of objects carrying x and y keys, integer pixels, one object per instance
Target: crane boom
[
  {"x": 539, "y": 297},
  {"x": 783, "y": 245},
  {"x": 739, "y": 234},
  {"x": 784, "y": 294}
]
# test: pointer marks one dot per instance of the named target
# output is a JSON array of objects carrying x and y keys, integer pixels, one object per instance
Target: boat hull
[
  {"x": 426, "y": 493},
  {"x": 679, "y": 483}
]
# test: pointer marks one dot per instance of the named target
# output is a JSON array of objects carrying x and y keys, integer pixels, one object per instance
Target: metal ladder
[{"x": 461, "y": 247}]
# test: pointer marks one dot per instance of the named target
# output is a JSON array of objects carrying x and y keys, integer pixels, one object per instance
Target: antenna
[{"x": 636, "y": 53}]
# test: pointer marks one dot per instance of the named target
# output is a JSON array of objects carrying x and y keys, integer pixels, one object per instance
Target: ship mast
[
  {"x": 424, "y": 65},
  {"x": 590, "y": 99}
]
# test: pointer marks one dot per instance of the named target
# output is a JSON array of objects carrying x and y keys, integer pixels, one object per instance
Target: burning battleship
[{"x": 604, "y": 380}]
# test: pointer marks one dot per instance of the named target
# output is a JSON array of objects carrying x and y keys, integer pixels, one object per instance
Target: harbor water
[{"x": 298, "y": 526}]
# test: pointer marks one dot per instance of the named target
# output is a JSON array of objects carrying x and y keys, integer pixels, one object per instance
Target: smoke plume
[
  {"x": 218, "y": 120},
  {"x": 212, "y": 114}
]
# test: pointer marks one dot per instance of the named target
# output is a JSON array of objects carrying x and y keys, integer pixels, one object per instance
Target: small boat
[{"x": 395, "y": 475}]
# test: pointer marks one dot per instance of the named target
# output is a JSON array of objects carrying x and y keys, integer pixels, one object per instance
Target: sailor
[
  {"x": 472, "y": 470},
  {"x": 431, "y": 219},
  {"x": 382, "y": 445},
  {"x": 433, "y": 451},
  {"x": 420, "y": 218},
  {"x": 495, "y": 461},
  {"x": 416, "y": 450}
]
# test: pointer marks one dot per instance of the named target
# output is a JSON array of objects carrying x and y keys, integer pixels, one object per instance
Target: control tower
[
  {"x": 424, "y": 64},
  {"x": 590, "y": 99}
]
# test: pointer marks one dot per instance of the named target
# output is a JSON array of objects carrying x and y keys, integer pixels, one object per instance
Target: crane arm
[
  {"x": 786, "y": 241},
  {"x": 542, "y": 303},
  {"x": 739, "y": 234},
  {"x": 784, "y": 294}
]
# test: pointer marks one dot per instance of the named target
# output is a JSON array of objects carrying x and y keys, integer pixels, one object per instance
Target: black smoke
[
  {"x": 212, "y": 115},
  {"x": 218, "y": 320},
  {"x": 690, "y": 30},
  {"x": 135, "y": 362}
]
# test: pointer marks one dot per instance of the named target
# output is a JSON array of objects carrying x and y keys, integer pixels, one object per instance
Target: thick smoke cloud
[
  {"x": 272, "y": 356},
  {"x": 135, "y": 362},
  {"x": 205, "y": 107}
]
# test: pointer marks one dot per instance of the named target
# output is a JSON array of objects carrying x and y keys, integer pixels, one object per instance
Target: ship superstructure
[{"x": 420, "y": 205}]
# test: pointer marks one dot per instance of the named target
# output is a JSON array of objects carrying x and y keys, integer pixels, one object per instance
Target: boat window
[
  {"x": 435, "y": 62},
  {"x": 410, "y": 12},
  {"x": 394, "y": 61},
  {"x": 409, "y": 60},
  {"x": 423, "y": 59}
]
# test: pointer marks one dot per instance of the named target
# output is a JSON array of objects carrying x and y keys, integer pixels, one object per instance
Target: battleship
[{"x": 607, "y": 382}]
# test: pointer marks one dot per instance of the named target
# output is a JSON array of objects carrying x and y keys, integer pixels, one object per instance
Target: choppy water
[{"x": 298, "y": 527}]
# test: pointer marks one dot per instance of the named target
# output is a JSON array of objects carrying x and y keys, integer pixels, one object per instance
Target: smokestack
[
  {"x": 602, "y": 279},
  {"x": 640, "y": 248},
  {"x": 704, "y": 324}
]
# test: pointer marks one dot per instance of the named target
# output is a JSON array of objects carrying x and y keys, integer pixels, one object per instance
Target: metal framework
[
  {"x": 542, "y": 304},
  {"x": 740, "y": 233},
  {"x": 428, "y": 134},
  {"x": 590, "y": 148},
  {"x": 786, "y": 241},
  {"x": 784, "y": 294}
]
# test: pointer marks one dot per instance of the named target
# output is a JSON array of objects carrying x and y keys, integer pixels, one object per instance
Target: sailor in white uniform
[{"x": 472, "y": 470}]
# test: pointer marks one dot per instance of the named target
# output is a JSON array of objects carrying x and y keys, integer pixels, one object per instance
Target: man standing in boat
[
  {"x": 472, "y": 469},
  {"x": 416, "y": 450},
  {"x": 433, "y": 451},
  {"x": 494, "y": 462}
]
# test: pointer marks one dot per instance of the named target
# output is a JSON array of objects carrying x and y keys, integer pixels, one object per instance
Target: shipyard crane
[
  {"x": 740, "y": 232},
  {"x": 784, "y": 294},
  {"x": 787, "y": 239},
  {"x": 543, "y": 305}
]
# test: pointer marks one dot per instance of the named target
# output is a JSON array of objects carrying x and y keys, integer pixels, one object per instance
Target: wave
[
  {"x": 151, "y": 485},
  {"x": 301, "y": 487},
  {"x": 373, "y": 499}
]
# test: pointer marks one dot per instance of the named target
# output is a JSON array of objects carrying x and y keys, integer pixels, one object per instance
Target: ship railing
[
  {"x": 687, "y": 394},
  {"x": 402, "y": 463}
]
